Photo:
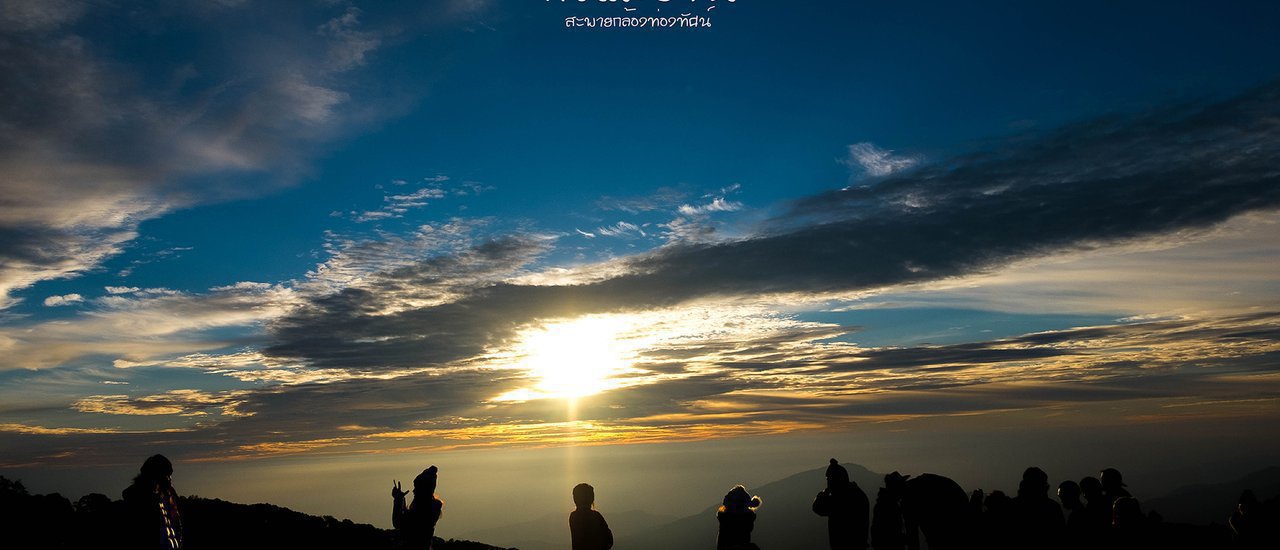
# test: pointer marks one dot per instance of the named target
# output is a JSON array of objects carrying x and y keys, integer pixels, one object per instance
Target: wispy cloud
[
  {"x": 174, "y": 402},
  {"x": 348, "y": 46},
  {"x": 622, "y": 229},
  {"x": 665, "y": 198},
  {"x": 32, "y": 15},
  {"x": 696, "y": 223},
  {"x": 877, "y": 162},
  {"x": 397, "y": 204},
  {"x": 717, "y": 205}
]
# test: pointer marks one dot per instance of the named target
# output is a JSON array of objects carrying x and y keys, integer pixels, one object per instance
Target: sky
[{"x": 678, "y": 244}]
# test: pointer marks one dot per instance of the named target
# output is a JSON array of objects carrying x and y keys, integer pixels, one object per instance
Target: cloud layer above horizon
[{"x": 412, "y": 327}]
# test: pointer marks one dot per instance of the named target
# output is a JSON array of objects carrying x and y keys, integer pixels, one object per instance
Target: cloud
[
  {"x": 1227, "y": 268},
  {"x": 397, "y": 292},
  {"x": 694, "y": 224},
  {"x": 622, "y": 229},
  {"x": 348, "y": 47},
  {"x": 174, "y": 402},
  {"x": 64, "y": 300},
  {"x": 1087, "y": 186},
  {"x": 147, "y": 327},
  {"x": 710, "y": 373},
  {"x": 875, "y": 161},
  {"x": 396, "y": 205},
  {"x": 665, "y": 198},
  {"x": 1083, "y": 187},
  {"x": 353, "y": 259},
  {"x": 717, "y": 205},
  {"x": 36, "y": 15},
  {"x": 95, "y": 145},
  {"x": 402, "y": 334}
]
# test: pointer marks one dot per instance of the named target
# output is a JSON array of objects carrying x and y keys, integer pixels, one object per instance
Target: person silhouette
[
  {"x": 1073, "y": 509},
  {"x": 846, "y": 508},
  {"x": 587, "y": 527},
  {"x": 737, "y": 517},
  {"x": 1096, "y": 521},
  {"x": 996, "y": 525},
  {"x": 1039, "y": 521},
  {"x": 417, "y": 521},
  {"x": 1113, "y": 486},
  {"x": 152, "y": 519},
  {"x": 1128, "y": 525},
  {"x": 929, "y": 505},
  {"x": 886, "y": 522}
]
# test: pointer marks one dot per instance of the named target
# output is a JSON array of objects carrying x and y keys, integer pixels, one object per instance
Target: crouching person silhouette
[
  {"x": 417, "y": 521},
  {"x": 587, "y": 527}
]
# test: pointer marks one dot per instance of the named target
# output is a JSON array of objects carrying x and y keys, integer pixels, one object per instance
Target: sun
[{"x": 574, "y": 358}]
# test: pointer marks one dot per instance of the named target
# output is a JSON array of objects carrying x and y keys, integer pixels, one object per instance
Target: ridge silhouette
[{"x": 911, "y": 511}]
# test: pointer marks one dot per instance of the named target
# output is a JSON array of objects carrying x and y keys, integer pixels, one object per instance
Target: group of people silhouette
[{"x": 1096, "y": 512}]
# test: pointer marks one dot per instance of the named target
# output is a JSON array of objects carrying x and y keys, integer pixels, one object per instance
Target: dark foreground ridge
[
  {"x": 53, "y": 521},
  {"x": 908, "y": 510}
]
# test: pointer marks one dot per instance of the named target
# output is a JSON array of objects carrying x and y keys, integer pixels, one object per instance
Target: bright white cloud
[
  {"x": 622, "y": 229},
  {"x": 63, "y": 300},
  {"x": 717, "y": 205}
]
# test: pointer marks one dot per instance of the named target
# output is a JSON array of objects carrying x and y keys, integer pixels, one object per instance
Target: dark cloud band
[{"x": 1084, "y": 186}]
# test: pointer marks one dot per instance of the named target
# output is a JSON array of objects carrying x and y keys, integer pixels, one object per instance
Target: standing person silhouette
[
  {"x": 1074, "y": 511},
  {"x": 587, "y": 527},
  {"x": 417, "y": 521},
  {"x": 1038, "y": 519},
  {"x": 1097, "y": 511},
  {"x": 737, "y": 517},
  {"x": 152, "y": 519},
  {"x": 846, "y": 508}
]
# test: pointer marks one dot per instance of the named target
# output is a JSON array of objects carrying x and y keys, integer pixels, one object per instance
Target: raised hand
[{"x": 396, "y": 492}]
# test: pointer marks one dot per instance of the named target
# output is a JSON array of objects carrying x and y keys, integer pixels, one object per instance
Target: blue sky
[{"x": 813, "y": 218}]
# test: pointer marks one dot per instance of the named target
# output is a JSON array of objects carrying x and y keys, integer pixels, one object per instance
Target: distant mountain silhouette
[
  {"x": 52, "y": 521},
  {"x": 1212, "y": 503},
  {"x": 551, "y": 531},
  {"x": 786, "y": 520}
]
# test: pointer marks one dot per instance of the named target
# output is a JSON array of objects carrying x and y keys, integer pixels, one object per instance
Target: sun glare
[{"x": 574, "y": 358}]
